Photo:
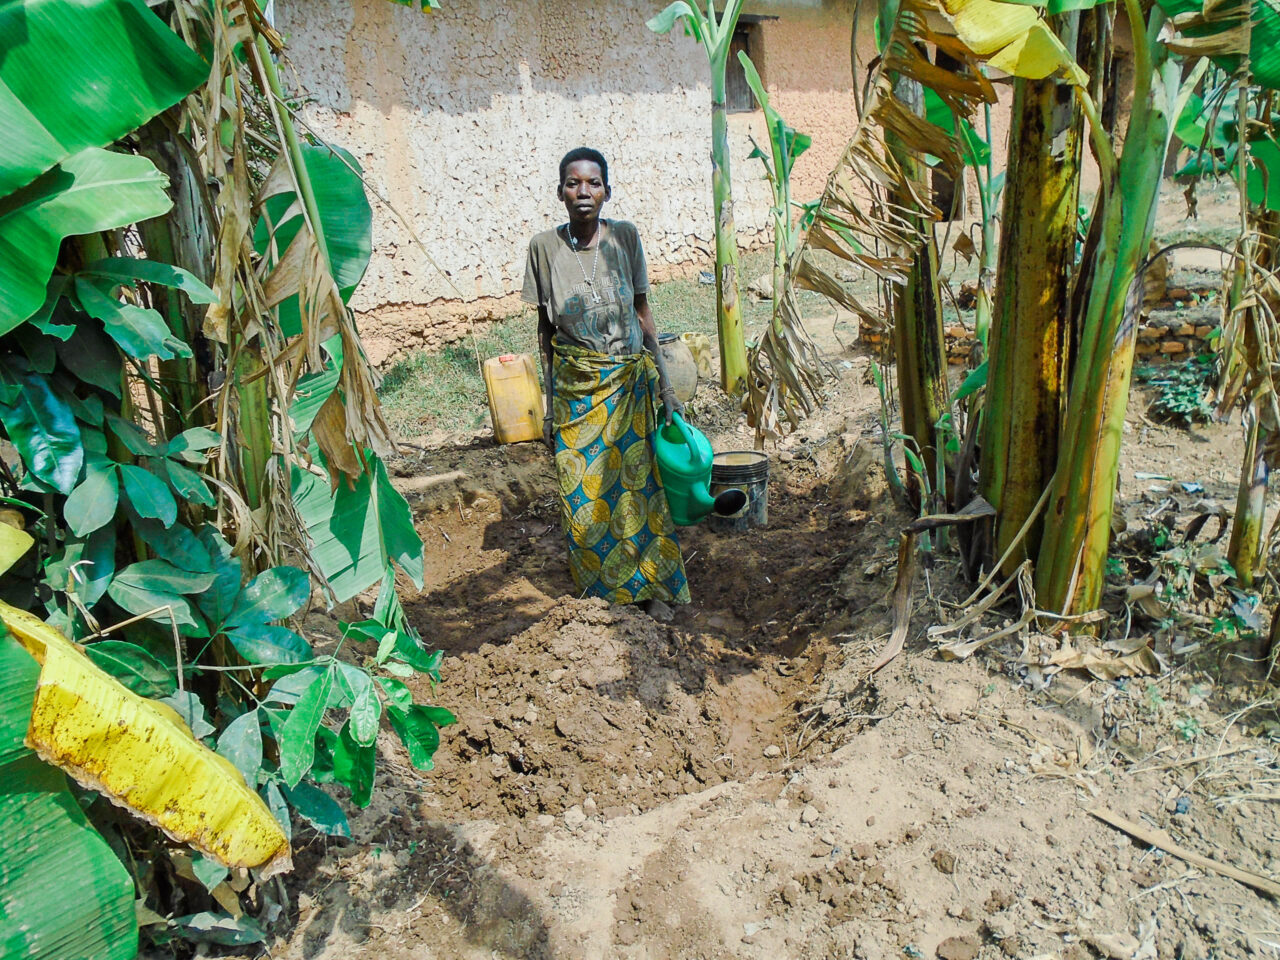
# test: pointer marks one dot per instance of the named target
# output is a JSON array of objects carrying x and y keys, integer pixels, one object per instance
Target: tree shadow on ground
[
  {"x": 435, "y": 890},
  {"x": 509, "y": 596}
]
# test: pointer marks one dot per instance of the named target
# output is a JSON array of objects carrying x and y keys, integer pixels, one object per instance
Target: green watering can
[{"x": 684, "y": 459}]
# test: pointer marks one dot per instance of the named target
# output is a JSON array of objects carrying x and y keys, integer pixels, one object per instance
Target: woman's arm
[
  {"x": 650, "y": 333},
  {"x": 545, "y": 332}
]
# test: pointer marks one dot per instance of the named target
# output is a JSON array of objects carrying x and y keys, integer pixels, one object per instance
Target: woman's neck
[{"x": 585, "y": 231}]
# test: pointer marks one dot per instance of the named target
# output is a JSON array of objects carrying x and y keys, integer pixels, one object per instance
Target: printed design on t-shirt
[{"x": 605, "y": 322}]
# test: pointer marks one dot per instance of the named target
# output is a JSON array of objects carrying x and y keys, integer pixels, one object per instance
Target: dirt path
[{"x": 727, "y": 785}]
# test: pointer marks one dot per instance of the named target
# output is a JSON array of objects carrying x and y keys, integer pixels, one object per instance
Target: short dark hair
[{"x": 584, "y": 153}]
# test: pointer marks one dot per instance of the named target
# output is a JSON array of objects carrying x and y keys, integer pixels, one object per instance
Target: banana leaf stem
[{"x": 294, "y": 149}]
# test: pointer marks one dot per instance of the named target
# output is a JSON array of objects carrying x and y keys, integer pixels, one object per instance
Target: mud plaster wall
[
  {"x": 803, "y": 57},
  {"x": 460, "y": 117}
]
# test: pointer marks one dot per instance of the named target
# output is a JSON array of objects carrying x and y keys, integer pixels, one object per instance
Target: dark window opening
[{"x": 737, "y": 95}]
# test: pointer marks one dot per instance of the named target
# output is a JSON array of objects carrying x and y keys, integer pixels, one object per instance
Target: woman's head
[
  {"x": 584, "y": 153},
  {"x": 584, "y": 184}
]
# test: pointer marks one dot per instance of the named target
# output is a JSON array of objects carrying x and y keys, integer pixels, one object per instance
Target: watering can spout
[
  {"x": 701, "y": 503},
  {"x": 727, "y": 503}
]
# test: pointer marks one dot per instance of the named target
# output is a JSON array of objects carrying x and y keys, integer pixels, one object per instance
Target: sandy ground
[{"x": 732, "y": 785}]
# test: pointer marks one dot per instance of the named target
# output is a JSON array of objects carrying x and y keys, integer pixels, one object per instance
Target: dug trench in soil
[
  {"x": 943, "y": 813},
  {"x": 565, "y": 701},
  {"x": 570, "y": 709}
]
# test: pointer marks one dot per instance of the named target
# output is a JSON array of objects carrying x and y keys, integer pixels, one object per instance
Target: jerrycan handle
[{"x": 686, "y": 431}]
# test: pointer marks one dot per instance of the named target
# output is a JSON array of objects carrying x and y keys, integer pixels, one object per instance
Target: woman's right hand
[{"x": 670, "y": 404}]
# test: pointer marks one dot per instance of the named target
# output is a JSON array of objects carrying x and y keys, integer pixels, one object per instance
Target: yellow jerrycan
[{"x": 515, "y": 397}]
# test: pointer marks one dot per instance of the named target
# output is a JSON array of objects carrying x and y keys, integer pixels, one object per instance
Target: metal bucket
[{"x": 748, "y": 471}]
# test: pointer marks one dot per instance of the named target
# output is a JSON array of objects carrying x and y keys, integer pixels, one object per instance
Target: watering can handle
[{"x": 687, "y": 433}]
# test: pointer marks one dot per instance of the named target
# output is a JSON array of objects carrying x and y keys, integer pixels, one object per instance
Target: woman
[{"x": 602, "y": 367}]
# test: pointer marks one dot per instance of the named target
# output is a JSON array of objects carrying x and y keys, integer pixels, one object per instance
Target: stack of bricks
[
  {"x": 878, "y": 338},
  {"x": 1159, "y": 338},
  {"x": 1170, "y": 338},
  {"x": 961, "y": 341},
  {"x": 1174, "y": 337}
]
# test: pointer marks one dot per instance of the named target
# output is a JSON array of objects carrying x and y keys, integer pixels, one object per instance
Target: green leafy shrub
[{"x": 1183, "y": 390}]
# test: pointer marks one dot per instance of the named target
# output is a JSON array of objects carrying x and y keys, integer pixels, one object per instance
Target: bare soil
[{"x": 731, "y": 784}]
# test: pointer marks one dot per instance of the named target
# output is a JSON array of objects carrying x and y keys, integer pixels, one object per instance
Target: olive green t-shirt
[{"x": 599, "y": 315}]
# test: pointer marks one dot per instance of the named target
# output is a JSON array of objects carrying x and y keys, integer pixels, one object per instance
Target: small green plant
[
  {"x": 1161, "y": 536},
  {"x": 1230, "y": 626},
  {"x": 1152, "y": 700},
  {"x": 1184, "y": 389},
  {"x": 1241, "y": 619},
  {"x": 1188, "y": 727},
  {"x": 1116, "y": 567}
]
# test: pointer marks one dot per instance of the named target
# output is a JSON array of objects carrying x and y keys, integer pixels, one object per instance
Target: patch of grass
[
  {"x": 686, "y": 305},
  {"x": 425, "y": 391}
]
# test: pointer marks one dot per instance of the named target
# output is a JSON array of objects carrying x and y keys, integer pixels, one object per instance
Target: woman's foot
[{"x": 657, "y": 609}]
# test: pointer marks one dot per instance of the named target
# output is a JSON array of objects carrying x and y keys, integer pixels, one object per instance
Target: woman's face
[{"x": 583, "y": 191}]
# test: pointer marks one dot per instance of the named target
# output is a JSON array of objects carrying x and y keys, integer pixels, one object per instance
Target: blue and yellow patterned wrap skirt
[{"x": 622, "y": 541}]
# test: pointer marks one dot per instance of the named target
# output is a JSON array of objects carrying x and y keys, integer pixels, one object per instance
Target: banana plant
[
  {"x": 1232, "y": 130},
  {"x": 786, "y": 368},
  {"x": 715, "y": 32},
  {"x": 977, "y": 156},
  {"x": 876, "y": 213},
  {"x": 1028, "y": 350},
  {"x": 180, "y": 522},
  {"x": 1070, "y": 569}
]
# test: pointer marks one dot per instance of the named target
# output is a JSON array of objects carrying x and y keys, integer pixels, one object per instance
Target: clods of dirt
[{"x": 602, "y": 706}]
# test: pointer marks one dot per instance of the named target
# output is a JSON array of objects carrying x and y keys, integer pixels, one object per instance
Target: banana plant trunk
[
  {"x": 733, "y": 348},
  {"x": 920, "y": 351},
  {"x": 918, "y": 341},
  {"x": 183, "y": 239},
  {"x": 1245, "y": 550},
  {"x": 1030, "y": 331},
  {"x": 1077, "y": 527},
  {"x": 988, "y": 262}
]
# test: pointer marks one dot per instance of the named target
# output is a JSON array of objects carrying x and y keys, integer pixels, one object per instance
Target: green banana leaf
[
  {"x": 358, "y": 530},
  {"x": 788, "y": 143},
  {"x": 345, "y": 218},
  {"x": 315, "y": 388},
  {"x": 92, "y": 190},
  {"x": 82, "y": 74},
  {"x": 1264, "y": 35},
  {"x": 1263, "y": 181},
  {"x": 974, "y": 151},
  {"x": 63, "y": 893}
]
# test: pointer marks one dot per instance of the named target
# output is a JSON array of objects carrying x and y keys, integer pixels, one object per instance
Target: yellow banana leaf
[
  {"x": 1009, "y": 36},
  {"x": 63, "y": 893},
  {"x": 139, "y": 754},
  {"x": 14, "y": 542}
]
